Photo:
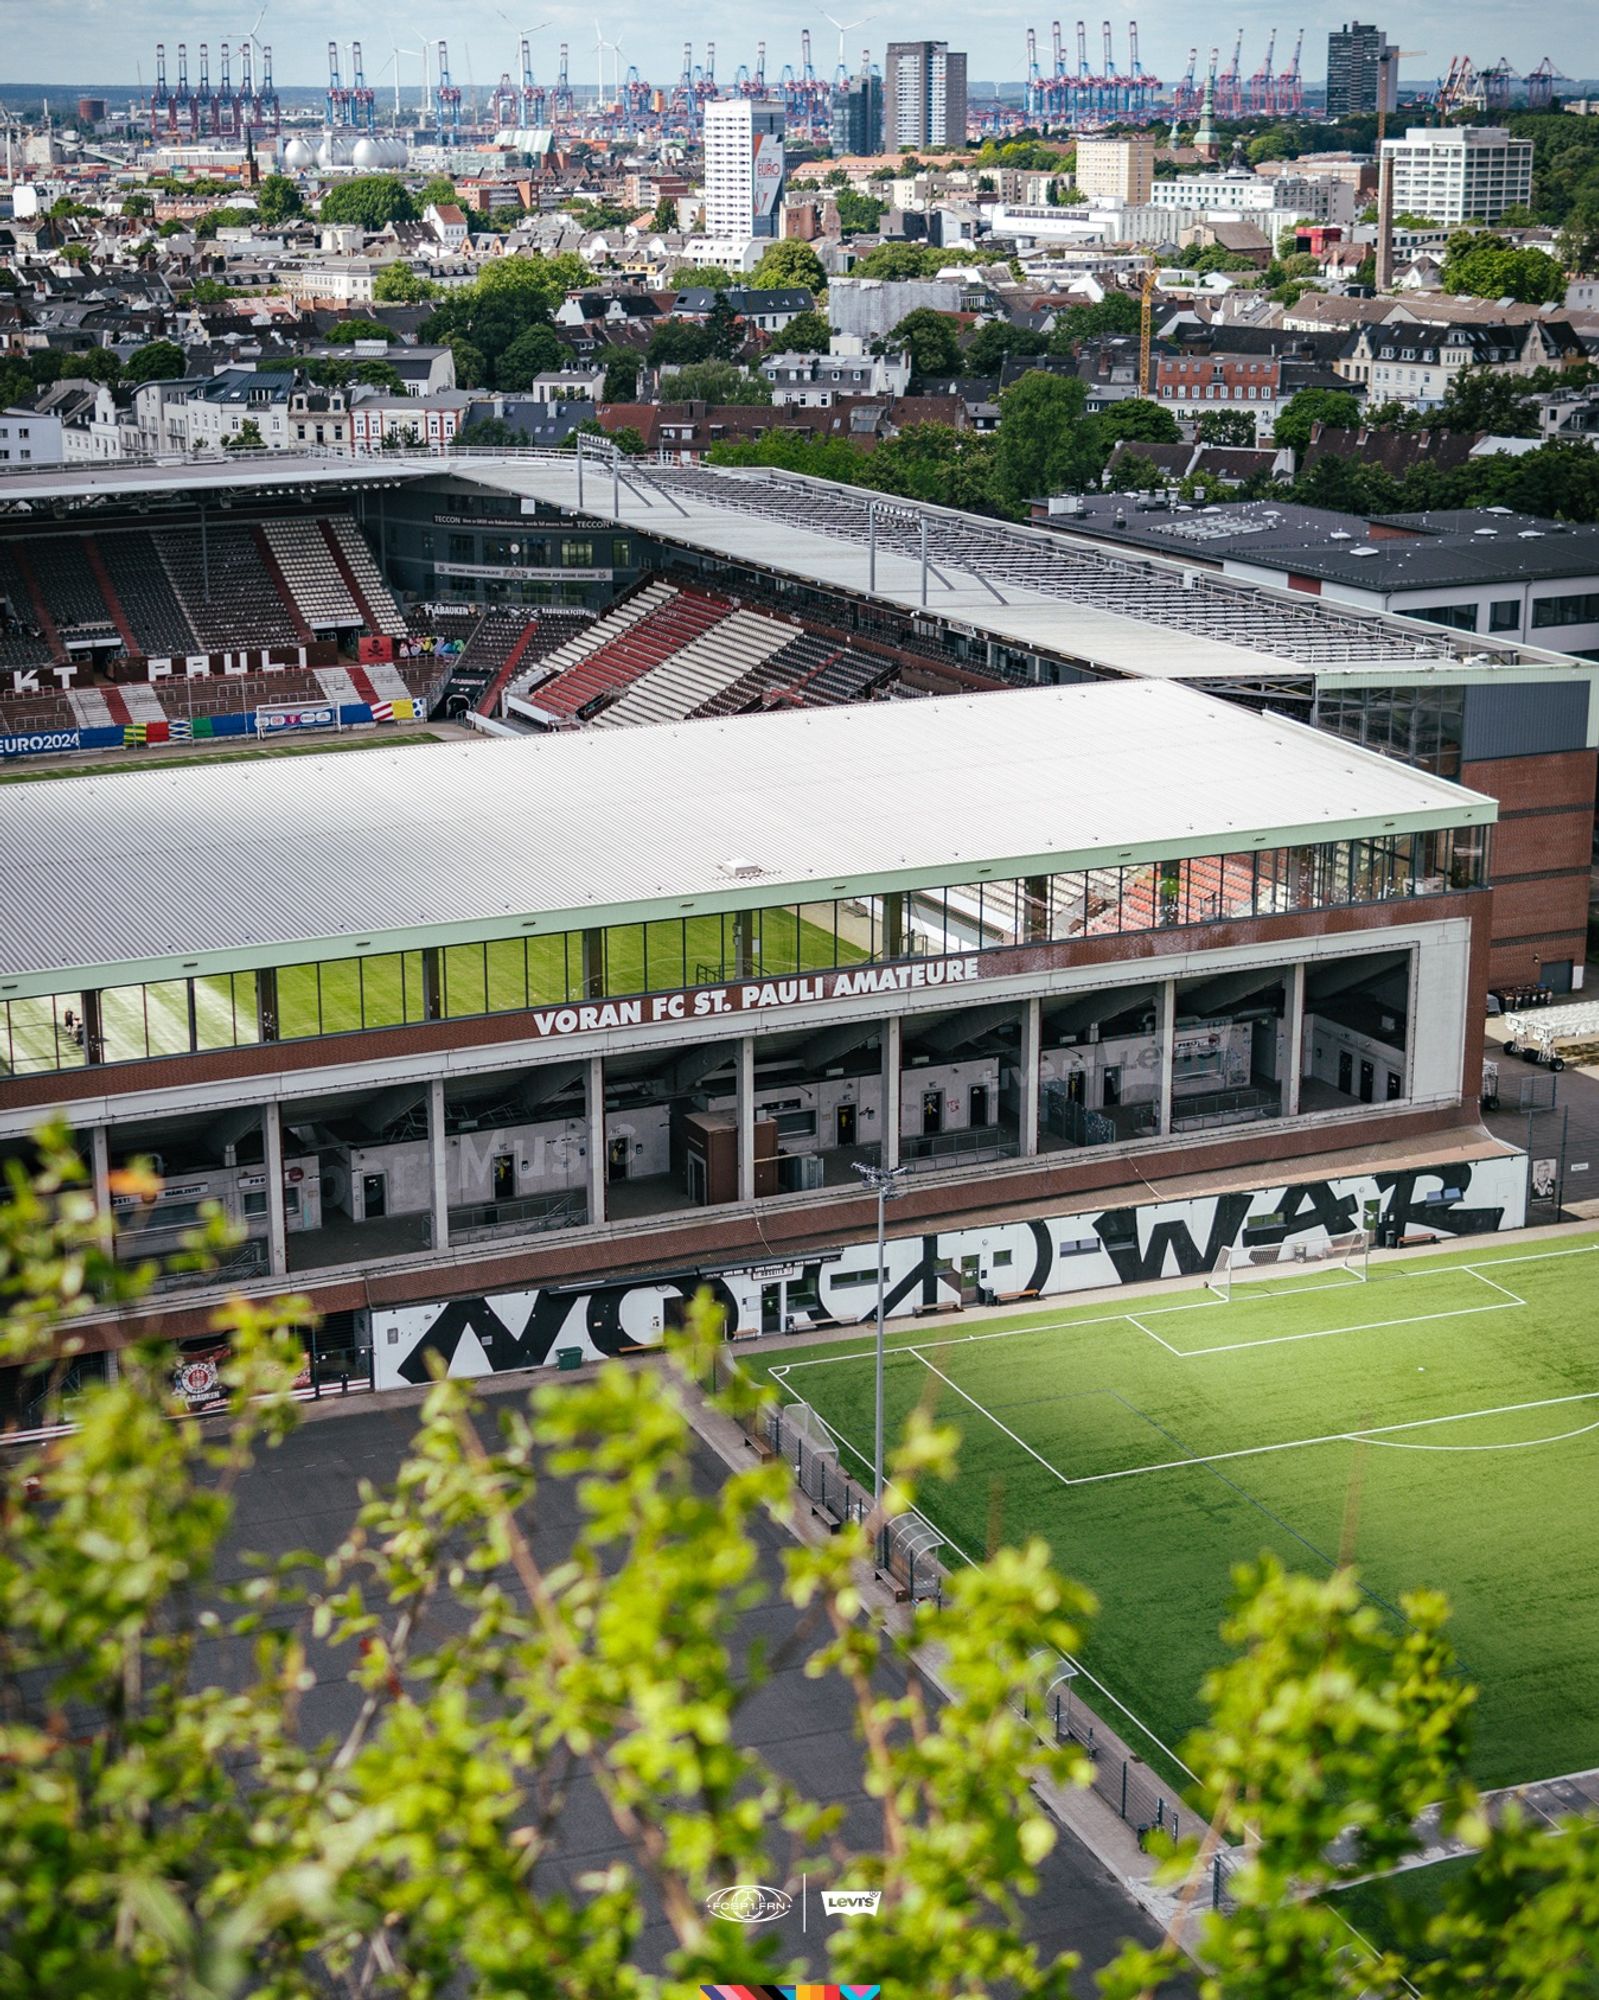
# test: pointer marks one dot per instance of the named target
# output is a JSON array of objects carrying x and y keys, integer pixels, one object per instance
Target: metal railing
[
  {"x": 523, "y": 1215},
  {"x": 968, "y": 1148}
]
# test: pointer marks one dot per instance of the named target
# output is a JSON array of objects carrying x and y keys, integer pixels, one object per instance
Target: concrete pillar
[
  {"x": 744, "y": 1070},
  {"x": 1294, "y": 1053},
  {"x": 1035, "y": 908},
  {"x": 593, "y": 964},
  {"x": 432, "y": 983},
  {"x": 439, "y": 1162},
  {"x": 893, "y": 925},
  {"x": 277, "y": 1235},
  {"x": 1027, "y": 1108},
  {"x": 595, "y": 1095},
  {"x": 743, "y": 944},
  {"x": 93, "y": 1030},
  {"x": 1167, "y": 1048},
  {"x": 100, "y": 1167},
  {"x": 893, "y": 1055}
]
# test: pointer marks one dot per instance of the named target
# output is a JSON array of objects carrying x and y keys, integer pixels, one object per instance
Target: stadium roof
[
  {"x": 282, "y": 861},
  {"x": 26, "y": 491},
  {"x": 1034, "y": 588}
]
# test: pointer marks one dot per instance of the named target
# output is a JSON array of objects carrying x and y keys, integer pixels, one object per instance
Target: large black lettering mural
[{"x": 1042, "y": 1258}]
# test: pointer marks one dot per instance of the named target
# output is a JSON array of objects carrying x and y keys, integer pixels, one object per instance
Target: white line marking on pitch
[{"x": 978, "y": 1407}]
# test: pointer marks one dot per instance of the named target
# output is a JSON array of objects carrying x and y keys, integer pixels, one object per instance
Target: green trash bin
[{"x": 567, "y": 1358}]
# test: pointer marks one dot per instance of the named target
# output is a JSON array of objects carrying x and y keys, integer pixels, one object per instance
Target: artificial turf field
[{"x": 1442, "y": 1418}]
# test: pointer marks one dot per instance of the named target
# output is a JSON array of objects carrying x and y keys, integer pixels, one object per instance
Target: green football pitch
[{"x": 1439, "y": 1421}]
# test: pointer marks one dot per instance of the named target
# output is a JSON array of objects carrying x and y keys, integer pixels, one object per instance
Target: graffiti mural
[{"x": 1092, "y": 1249}]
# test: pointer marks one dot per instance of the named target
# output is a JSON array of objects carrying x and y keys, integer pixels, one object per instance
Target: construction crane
[
  {"x": 1290, "y": 87},
  {"x": 1262, "y": 97},
  {"x": 1229, "y": 93}
]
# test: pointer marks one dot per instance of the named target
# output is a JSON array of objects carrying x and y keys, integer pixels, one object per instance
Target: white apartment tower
[
  {"x": 743, "y": 169},
  {"x": 1459, "y": 173}
]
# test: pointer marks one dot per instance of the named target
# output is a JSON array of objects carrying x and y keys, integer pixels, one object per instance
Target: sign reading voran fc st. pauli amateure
[{"x": 750, "y": 996}]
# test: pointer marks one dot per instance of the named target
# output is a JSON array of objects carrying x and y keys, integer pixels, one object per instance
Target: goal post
[{"x": 1348, "y": 1253}]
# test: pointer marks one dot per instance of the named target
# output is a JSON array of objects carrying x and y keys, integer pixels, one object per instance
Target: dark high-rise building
[
  {"x": 858, "y": 115},
  {"x": 1358, "y": 77},
  {"x": 924, "y": 96}
]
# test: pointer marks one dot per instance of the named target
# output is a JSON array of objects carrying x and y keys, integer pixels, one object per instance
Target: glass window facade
[
  {"x": 1417, "y": 725},
  {"x": 505, "y": 975}
]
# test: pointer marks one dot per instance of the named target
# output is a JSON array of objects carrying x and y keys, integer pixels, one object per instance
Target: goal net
[{"x": 1348, "y": 1254}]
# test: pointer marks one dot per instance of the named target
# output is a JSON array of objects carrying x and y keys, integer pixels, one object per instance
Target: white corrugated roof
[{"x": 264, "y": 862}]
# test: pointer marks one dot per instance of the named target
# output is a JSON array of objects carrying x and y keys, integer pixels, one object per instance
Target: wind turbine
[
  {"x": 600, "y": 47},
  {"x": 844, "y": 28}
]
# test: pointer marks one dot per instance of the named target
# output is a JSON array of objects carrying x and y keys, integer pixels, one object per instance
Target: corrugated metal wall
[{"x": 1522, "y": 721}]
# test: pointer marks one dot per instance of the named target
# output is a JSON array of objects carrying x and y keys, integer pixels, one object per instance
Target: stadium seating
[
  {"x": 341, "y": 531},
  {"x": 70, "y": 589},
  {"x": 20, "y": 646},
  {"x": 848, "y": 676},
  {"x": 618, "y": 620},
  {"x": 724, "y": 653},
  {"x": 664, "y": 630},
  {"x": 312, "y": 577},
  {"x": 225, "y": 589},
  {"x": 149, "y": 603}
]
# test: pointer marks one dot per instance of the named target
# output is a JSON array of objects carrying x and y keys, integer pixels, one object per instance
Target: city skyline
[{"x": 90, "y": 42}]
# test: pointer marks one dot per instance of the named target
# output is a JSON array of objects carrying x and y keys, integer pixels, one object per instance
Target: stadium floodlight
[{"x": 884, "y": 1182}]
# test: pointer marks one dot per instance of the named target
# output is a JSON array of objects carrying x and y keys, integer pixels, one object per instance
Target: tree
[
  {"x": 628, "y": 441},
  {"x": 175, "y": 1833},
  {"x": 1337, "y": 408},
  {"x": 1491, "y": 269},
  {"x": 788, "y": 264},
  {"x": 471, "y": 363},
  {"x": 621, "y": 375},
  {"x": 157, "y": 360},
  {"x": 437, "y": 192},
  {"x": 994, "y": 341},
  {"x": 1040, "y": 445},
  {"x": 857, "y": 213},
  {"x": 398, "y": 285},
  {"x": 714, "y": 382},
  {"x": 137, "y": 206},
  {"x": 277, "y": 200},
  {"x": 677, "y": 342},
  {"x": 246, "y": 438},
  {"x": 1135, "y": 418},
  {"x": 371, "y": 202},
  {"x": 664, "y": 220},
  {"x": 534, "y": 352},
  {"x": 1482, "y": 399},
  {"x": 1116, "y": 313},
  {"x": 183, "y": 1837},
  {"x": 806, "y": 333},
  {"x": 929, "y": 338},
  {"x": 346, "y": 332},
  {"x": 1234, "y": 427},
  {"x": 723, "y": 328},
  {"x": 93, "y": 364},
  {"x": 374, "y": 374}
]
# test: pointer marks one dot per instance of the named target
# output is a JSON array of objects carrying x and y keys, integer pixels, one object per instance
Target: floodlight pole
[{"x": 884, "y": 1183}]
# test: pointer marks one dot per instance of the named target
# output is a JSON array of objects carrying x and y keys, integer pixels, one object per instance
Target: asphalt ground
[{"x": 303, "y": 1495}]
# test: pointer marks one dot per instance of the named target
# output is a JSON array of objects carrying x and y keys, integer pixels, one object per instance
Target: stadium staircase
[
  {"x": 41, "y": 610},
  {"x": 664, "y": 630},
  {"x": 621, "y": 617},
  {"x": 280, "y": 582},
  {"x": 227, "y": 594},
  {"x": 361, "y": 576},
  {"x": 108, "y": 592}
]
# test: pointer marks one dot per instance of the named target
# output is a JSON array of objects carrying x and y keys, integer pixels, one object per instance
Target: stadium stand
[
  {"x": 794, "y": 661},
  {"x": 725, "y": 652},
  {"x": 656, "y": 637},
  {"x": 849, "y": 676},
  {"x": 224, "y": 588},
  {"x": 362, "y": 577},
  {"x": 155, "y": 614},
  {"x": 61, "y": 565},
  {"x": 623, "y": 615},
  {"x": 22, "y": 642},
  {"x": 317, "y": 589}
]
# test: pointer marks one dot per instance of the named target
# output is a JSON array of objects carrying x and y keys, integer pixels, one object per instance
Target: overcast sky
[{"x": 112, "y": 41}]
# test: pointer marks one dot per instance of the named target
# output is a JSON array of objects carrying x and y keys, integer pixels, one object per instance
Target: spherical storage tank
[
  {"x": 334, "y": 151},
  {"x": 298, "y": 157},
  {"x": 368, "y": 156}
]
